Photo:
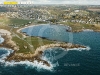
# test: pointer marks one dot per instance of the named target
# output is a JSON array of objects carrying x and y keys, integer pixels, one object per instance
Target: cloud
[{"x": 93, "y": 2}]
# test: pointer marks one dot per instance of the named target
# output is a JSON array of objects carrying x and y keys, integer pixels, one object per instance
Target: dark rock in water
[
  {"x": 68, "y": 30},
  {"x": 43, "y": 37}
]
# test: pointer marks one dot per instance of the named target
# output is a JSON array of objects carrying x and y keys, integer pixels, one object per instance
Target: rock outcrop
[
  {"x": 8, "y": 43},
  {"x": 38, "y": 52}
]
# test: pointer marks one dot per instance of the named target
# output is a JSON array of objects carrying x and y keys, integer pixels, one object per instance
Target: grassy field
[
  {"x": 80, "y": 26},
  {"x": 26, "y": 45},
  {"x": 31, "y": 43},
  {"x": 19, "y": 22}
]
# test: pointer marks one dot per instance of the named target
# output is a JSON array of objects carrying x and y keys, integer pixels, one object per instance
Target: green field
[
  {"x": 80, "y": 26},
  {"x": 33, "y": 41},
  {"x": 19, "y": 22},
  {"x": 22, "y": 43}
]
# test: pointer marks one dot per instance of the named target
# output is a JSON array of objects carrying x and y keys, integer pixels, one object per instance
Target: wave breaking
[{"x": 35, "y": 64}]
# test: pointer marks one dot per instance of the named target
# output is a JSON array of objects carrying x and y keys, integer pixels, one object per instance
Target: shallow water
[{"x": 1, "y": 40}]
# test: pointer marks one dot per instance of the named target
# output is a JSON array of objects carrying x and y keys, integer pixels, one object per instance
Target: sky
[{"x": 84, "y": 2}]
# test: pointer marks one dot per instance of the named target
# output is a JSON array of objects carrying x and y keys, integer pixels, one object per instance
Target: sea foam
[
  {"x": 80, "y": 49},
  {"x": 37, "y": 65},
  {"x": 1, "y": 39}
]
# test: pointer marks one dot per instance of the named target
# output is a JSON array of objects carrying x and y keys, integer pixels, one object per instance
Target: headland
[{"x": 36, "y": 55}]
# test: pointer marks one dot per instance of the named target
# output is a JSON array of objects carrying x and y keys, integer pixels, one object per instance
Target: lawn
[
  {"x": 19, "y": 22},
  {"x": 80, "y": 26},
  {"x": 31, "y": 43}
]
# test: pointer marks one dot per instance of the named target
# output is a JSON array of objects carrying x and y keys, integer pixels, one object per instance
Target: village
[{"x": 55, "y": 14}]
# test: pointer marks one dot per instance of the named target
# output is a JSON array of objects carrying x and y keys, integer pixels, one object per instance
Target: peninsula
[
  {"x": 31, "y": 56},
  {"x": 12, "y": 20}
]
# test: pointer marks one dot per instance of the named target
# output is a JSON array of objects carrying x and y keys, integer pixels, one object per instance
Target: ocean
[
  {"x": 1, "y": 39},
  {"x": 74, "y": 62}
]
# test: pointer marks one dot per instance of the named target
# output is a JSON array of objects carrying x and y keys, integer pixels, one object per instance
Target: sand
[
  {"x": 19, "y": 30},
  {"x": 3, "y": 31}
]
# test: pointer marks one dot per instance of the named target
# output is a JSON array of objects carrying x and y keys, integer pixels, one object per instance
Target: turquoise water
[{"x": 74, "y": 62}]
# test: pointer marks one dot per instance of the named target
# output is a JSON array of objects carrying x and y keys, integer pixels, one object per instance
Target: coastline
[
  {"x": 38, "y": 52},
  {"x": 73, "y": 31},
  {"x": 8, "y": 42},
  {"x": 19, "y": 30}
]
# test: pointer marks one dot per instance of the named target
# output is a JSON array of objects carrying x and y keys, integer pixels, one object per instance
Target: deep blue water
[{"x": 69, "y": 63}]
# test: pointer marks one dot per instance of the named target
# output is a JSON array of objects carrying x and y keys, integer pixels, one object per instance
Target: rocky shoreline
[
  {"x": 8, "y": 43},
  {"x": 38, "y": 53}
]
